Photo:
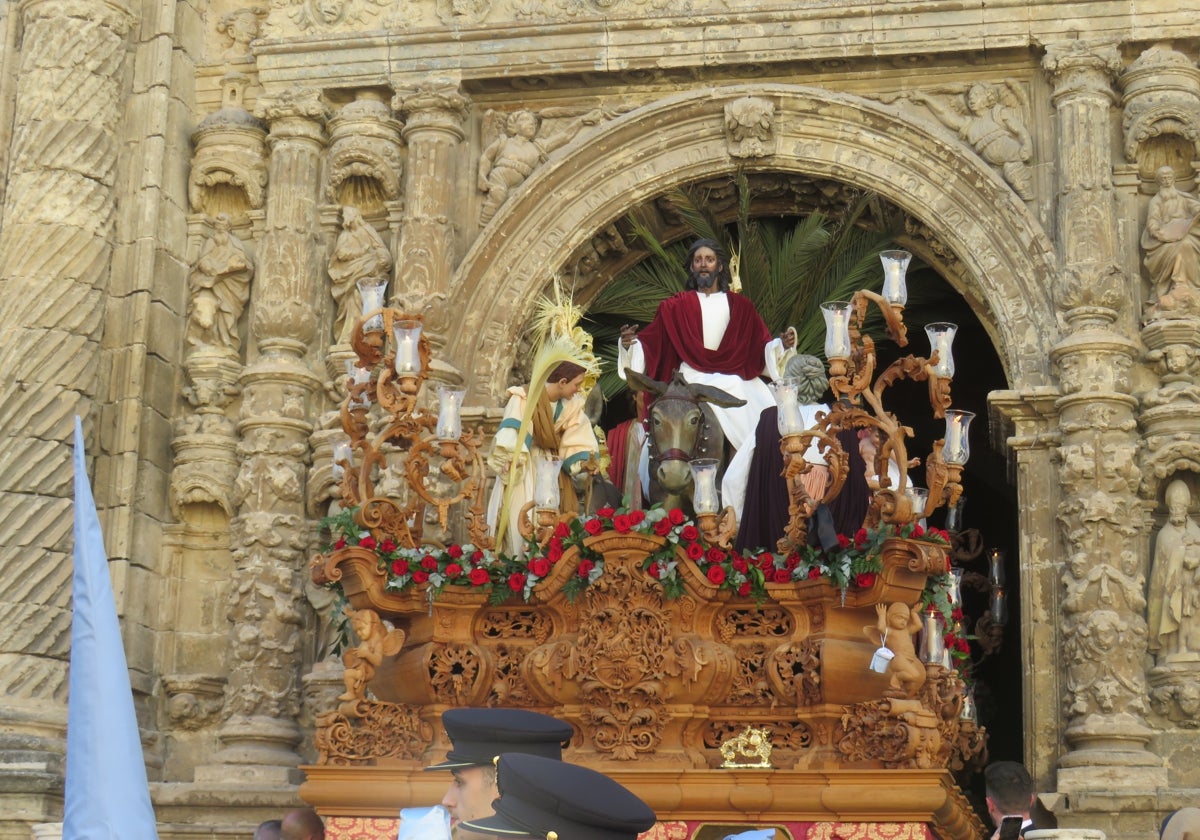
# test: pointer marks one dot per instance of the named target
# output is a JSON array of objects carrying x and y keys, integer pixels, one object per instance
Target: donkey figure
[{"x": 681, "y": 427}]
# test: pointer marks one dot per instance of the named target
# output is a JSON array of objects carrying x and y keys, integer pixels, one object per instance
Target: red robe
[{"x": 677, "y": 335}]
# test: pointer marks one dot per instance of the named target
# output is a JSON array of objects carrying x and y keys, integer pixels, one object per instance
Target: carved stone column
[
  {"x": 1101, "y": 621},
  {"x": 1033, "y": 415},
  {"x": 269, "y": 533},
  {"x": 433, "y": 115},
  {"x": 55, "y": 252}
]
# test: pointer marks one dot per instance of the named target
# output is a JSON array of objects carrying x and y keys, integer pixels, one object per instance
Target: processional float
[{"x": 808, "y": 688}]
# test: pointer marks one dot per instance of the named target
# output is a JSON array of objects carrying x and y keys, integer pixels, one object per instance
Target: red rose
[
  {"x": 453, "y": 570},
  {"x": 814, "y": 573},
  {"x": 455, "y": 551},
  {"x": 676, "y": 516},
  {"x": 478, "y": 577},
  {"x": 956, "y": 614},
  {"x": 585, "y": 567},
  {"x": 740, "y": 564},
  {"x": 918, "y": 531},
  {"x": 387, "y": 546},
  {"x": 420, "y": 576},
  {"x": 554, "y": 552},
  {"x": 367, "y": 542},
  {"x": 714, "y": 555},
  {"x": 963, "y": 645},
  {"x": 792, "y": 561},
  {"x": 562, "y": 529},
  {"x": 744, "y": 589},
  {"x": 476, "y": 556},
  {"x": 766, "y": 562},
  {"x": 637, "y": 517},
  {"x": 621, "y": 523},
  {"x": 663, "y": 527},
  {"x": 593, "y": 526},
  {"x": 860, "y": 537},
  {"x": 843, "y": 541},
  {"x": 947, "y": 564},
  {"x": 695, "y": 551},
  {"x": 516, "y": 581},
  {"x": 864, "y": 580},
  {"x": 716, "y": 574},
  {"x": 688, "y": 532},
  {"x": 606, "y": 512},
  {"x": 539, "y": 566},
  {"x": 655, "y": 571},
  {"x": 429, "y": 563},
  {"x": 782, "y": 576},
  {"x": 400, "y": 567},
  {"x": 340, "y": 544}
]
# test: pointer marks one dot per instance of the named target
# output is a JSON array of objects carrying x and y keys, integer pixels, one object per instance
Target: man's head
[
  {"x": 302, "y": 824},
  {"x": 268, "y": 830},
  {"x": 543, "y": 798},
  {"x": 707, "y": 267},
  {"x": 1009, "y": 790},
  {"x": 477, "y": 738}
]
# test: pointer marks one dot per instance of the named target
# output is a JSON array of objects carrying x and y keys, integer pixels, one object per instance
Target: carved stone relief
[
  {"x": 364, "y": 164},
  {"x": 517, "y": 143},
  {"x": 229, "y": 167},
  {"x": 1161, "y": 111},
  {"x": 749, "y": 127},
  {"x": 239, "y": 27},
  {"x": 992, "y": 118}
]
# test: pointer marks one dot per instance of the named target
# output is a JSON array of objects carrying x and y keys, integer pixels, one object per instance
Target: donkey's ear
[
  {"x": 715, "y": 396},
  {"x": 644, "y": 384}
]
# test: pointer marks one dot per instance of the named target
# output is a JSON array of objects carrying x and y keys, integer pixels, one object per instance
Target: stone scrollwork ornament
[{"x": 750, "y": 127}]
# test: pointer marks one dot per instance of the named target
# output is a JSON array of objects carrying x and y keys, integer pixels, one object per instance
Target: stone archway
[{"x": 1009, "y": 260}]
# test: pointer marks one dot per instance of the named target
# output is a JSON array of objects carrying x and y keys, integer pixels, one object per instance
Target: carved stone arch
[{"x": 682, "y": 138}]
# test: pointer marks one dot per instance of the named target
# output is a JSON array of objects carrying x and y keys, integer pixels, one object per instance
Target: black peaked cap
[
  {"x": 477, "y": 736},
  {"x": 542, "y": 798}
]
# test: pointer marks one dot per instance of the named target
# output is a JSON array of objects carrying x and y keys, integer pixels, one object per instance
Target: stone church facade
[{"x": 174, "y": 181}]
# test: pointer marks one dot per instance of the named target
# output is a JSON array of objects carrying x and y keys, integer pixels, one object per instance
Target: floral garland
[{"x": 854, "y": 563}]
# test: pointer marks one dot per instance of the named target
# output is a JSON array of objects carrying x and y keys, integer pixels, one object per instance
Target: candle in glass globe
[
  {"x": 786, "y": 392},
  {"x": 372, "y": 295},
  {"x": 449, "y": 424},
  {"x": 958, "y": 447},
  {"x": 408, "y": 335},
  {"x": 704, "y": 485},
  {"x": 837, "y": 329},
  {"x": 941, "y": 341},
  {"x": 895, "y": 265},
  {"x": 545, "y": 482}
]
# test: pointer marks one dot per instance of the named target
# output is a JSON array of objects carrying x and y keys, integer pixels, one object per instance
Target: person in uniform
[
  {"x": 553, "y": 800},
  {"x": 477, "y": 737}
]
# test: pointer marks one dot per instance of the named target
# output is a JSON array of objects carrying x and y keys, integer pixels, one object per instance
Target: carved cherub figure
[
  {"x": 894, "y": 630},
  {"x": 521, "y": 147},
  {"x": 375, "y": 642}
]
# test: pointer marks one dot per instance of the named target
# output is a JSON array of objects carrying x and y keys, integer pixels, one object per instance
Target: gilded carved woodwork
[{"x": 631, "y": 668}]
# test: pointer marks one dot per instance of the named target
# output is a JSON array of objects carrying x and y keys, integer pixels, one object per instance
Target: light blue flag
[{"x": 107, "y": 795}]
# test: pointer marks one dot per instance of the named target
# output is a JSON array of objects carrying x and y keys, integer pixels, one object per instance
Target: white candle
[
  {"x": 449, "y": 425},
  {"x": 895, "y": 265},
  {"x": 941, "y": 341},
  {"x": 958, "y": 445},
  {"x": 933, "y": 643},
  {"x": 837, "y": 329},
  {"x": 704, "y": 485}
]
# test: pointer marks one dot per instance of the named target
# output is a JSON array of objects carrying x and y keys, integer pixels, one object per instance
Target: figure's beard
[{"x": 703, "y": 280}]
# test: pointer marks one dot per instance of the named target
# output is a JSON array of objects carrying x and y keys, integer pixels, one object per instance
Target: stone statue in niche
[
  {"x": 220, "y": 287},
  {"x": 991, "y": 118},
  {"x": 240, "y": 27},
  {"x": 509, "y": 159},
  {"x": 1171, "y": 240},
  {"x": 358, "y": 254},
  {"x": 1174, "y": 598}
]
